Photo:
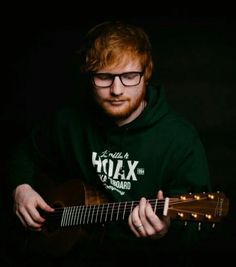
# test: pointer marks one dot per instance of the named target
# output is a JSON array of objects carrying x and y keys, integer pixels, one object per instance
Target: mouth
[{"x": 117, "y": 102}]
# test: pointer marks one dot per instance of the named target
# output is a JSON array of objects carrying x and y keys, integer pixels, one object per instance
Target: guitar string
[
  {"x": 127, "y": 205},
  {"x": 113, "y": 207}
]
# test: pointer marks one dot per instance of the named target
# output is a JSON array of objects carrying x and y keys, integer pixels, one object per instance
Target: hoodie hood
[{"x": 155, "y": 110}]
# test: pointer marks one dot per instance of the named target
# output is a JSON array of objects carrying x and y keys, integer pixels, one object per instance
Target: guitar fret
[
  {"x": 102, "y": 213},
  {"x": 75, "y": 215},
  {"x": 131, "y": 207},
  {"x": 85, "y": 212},
  {"x": 107, "y": 212},
  {"x": 92, "y": 214},
  {"x": 124, "y": 211},
  {"x": 96, "y": 219},
  {"x": 89, "y": 207},
  {"x": 112, "y": 210},
  {"x": 63, "y": 217},
  {"x": 118, "y": 211},
  {"x": 72, "y": 214},
  {"x": 68, "y": 216},
  {"x": 78, "y": 216},
  {"x": 81, "y": 216}
]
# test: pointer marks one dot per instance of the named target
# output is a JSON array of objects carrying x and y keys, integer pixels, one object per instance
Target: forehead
[{"x": 124, "y": 64}]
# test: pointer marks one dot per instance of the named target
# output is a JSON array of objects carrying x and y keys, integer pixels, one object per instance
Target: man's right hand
[{"x": 27, "y": 203}]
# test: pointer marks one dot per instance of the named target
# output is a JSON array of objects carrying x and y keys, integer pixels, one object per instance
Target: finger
[
  {"x": 24, "y": 216},
  {"x": 44, "y": 206},
  {"x": 134, "y": 221},
  {"x": 21, "y": 219},
  {"x": 137, "y": 219},
  {"x": 159, "y": 225},
  {"x": 147, "y": 217},
  {"x": 160, "y": 194},
  {"x": 41, "y": 205},
  {"x": 142, "y": 216},
  {"x": 35, "y": 216},
  {"x": 31, "y": 216},
  {"x": 28, "y": 221},
  {"x": 153, "y": 220}
]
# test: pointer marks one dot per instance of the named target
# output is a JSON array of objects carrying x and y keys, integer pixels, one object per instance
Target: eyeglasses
[{"x": 104, "y": 80}]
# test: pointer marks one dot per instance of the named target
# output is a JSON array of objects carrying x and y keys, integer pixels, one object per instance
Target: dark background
[{"x": 195, "y": 59}]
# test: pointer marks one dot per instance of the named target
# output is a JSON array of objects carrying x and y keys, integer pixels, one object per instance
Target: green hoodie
[{"x": 158, "y": 150}]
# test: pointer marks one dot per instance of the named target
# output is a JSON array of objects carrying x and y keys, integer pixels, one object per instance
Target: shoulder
[
  {"x": 180, "y": 129},
  {"x": 66, "y": 116},
  {"x": 54, "y": 122}
]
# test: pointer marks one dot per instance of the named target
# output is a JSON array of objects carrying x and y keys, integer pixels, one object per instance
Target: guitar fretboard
[{"x": 102, "y": 213}]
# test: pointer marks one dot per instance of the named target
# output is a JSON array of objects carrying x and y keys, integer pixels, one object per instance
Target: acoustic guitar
[{"x": 79, "y": 206}]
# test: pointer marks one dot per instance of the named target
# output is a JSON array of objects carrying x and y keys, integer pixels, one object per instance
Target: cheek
[
  {"x": 135, "y": 94},
  {"x": 98, "y": 94}
]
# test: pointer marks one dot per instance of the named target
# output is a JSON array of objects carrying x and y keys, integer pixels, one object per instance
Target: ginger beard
[{"x": 122, "y": 107}]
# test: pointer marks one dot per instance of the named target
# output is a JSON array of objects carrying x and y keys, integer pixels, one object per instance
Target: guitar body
[{"x": 56, "y": 240}]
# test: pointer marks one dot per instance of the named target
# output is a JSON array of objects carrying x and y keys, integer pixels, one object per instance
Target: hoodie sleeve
[
  {"x": 35, "y": 154},
  {"x": 23, "y": 164}
]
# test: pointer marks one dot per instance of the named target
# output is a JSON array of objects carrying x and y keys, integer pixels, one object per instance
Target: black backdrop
[{"x": 195, "y": 59}]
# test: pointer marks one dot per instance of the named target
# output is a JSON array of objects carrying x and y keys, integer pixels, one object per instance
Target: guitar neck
[
  {"x": 209, "y": 207},
  {"x": 102, "y": 213}
]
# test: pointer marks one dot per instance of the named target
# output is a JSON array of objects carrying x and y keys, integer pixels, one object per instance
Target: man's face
[{"x": 123, "y": 103}]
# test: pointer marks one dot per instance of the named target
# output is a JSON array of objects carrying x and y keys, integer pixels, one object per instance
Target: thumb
[
  {"x": 44, "y": 206},
  {"x": 160, "y": 194}
]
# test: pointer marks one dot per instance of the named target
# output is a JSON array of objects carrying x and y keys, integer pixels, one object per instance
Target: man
[{"x": 120, "y": 136}]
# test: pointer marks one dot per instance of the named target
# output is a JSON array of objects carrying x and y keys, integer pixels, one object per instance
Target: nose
[{"x": 117, "y": 88}]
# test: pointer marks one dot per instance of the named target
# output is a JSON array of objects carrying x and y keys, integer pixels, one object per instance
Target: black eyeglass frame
[{"x": 113, "y": 75}]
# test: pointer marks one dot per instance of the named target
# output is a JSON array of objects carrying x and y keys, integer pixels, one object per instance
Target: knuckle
[
  {"x": 135, "y": 221},
  {"x": 150, "y": 232}
]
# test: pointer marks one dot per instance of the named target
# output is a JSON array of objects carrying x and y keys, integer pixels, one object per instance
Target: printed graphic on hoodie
[{"x": 116, "y": 170}]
